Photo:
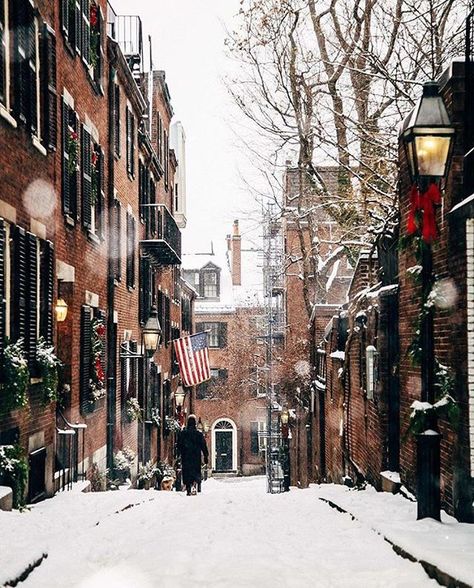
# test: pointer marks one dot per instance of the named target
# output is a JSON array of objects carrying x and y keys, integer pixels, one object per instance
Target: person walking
[{"x": 191, "y": 444}]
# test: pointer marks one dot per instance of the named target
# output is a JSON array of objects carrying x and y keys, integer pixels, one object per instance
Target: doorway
[{"x": 224, "y": 456}]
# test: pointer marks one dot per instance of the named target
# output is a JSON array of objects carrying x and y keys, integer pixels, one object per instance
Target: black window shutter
[
  {"x": 2, "y": 53},
  {"x": 66, "y": 196},
  {"x": 47, "y": 291},
  {"x": 117, "y": 120},
  {"x": 86, "y": 186},
  {"x": 167, "y": 321},
  {"x": 254, "y": 438},
  {"x": 132, "y": 391},
  {"x": 101, "y": 194},
  {"x": 18, "y": 322},
  {"x": 31, "y": 299},
  {"x": 49, "y": 88},
  {"x": 123, "y": 387},
  {"x": 129, "y": 251},
  {"x": 127, "y": 131},
  {"x": 100, "y": 57},
  {"x": 86, "y": 358},
  {"x": 86, "y": 30},
  {"x": 117, "y": 240},
  {"x": 74, "y": 177},
  {"x": 65, "y": 16},
  {"x": 32, "y": 107},
  {"x": 2, "y": 284},
  {"x": 222, "y": 334},
  {"x": 77, "y": 27},
  {"x": 20, "y": 49},
  {"x": 145, "y": 290},
  {"x": 102, "y": 315}
]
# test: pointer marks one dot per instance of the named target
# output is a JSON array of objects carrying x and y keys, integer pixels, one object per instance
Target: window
[
  {"x": 26, "y": 288},
  {"x": 70, "y": 160},
  {"x": 93, "y": 184},
  {"x": 217, "y": 333},
  {"x": 147, "y": 290},
  {"x": 131, "y": 240},
  {"x": 116, "y": 236},
  {"x": 117, "y": 120},
  {"x": 210, "y": 284},
  {"x": 166, "y": 156},
  {"x": 192, "y": 277},
  {"x": 82, "y": 23},
  {"x": 130, "y": 124},
  {"x": 4, "y": 55},
  {"x": 92, "y": 364},
  {"x": 186, "y": 322}
]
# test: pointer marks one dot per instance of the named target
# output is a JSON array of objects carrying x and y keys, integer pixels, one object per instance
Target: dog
[{"x": 167, "y": 483}]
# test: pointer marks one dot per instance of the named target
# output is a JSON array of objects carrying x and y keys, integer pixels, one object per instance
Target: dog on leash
[{"x": 167, "y": 483}]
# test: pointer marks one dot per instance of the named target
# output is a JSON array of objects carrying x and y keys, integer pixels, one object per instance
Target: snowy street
[{"x": 233, "y": 534}]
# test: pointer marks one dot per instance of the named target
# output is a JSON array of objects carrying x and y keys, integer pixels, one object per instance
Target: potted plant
[{"x": 48, "y": 364}]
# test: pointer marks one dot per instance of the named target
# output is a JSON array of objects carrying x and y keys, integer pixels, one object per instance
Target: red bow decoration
[{"x": 424, "y": 202}]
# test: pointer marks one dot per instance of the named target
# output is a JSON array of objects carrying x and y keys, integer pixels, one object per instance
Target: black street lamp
[
  {"x": 427, "y": 134},
  {"x": 284, "y": 418}
]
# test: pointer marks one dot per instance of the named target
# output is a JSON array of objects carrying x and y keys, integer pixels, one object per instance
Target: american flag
[{"x": 193, "y": 358}]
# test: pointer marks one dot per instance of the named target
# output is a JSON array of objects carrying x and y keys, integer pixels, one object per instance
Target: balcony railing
[{"x": 162, "y": 243}]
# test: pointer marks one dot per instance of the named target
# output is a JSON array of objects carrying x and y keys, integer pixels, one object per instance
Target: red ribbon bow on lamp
[{"x": 424, "y": 202}]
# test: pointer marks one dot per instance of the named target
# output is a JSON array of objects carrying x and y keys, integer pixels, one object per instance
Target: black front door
[{"x": 223, "y": 451}]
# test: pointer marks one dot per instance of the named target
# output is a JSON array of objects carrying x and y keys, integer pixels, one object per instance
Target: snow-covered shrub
[
  {"x": 48, "y": 364},
  {"x": 146, "y": 473},
  {"x": 172, "y": 425},
  {"x": 164, "y": 470},
  {"x": 14, "y": 472},
  {"x": 123, "y": 461},
  {"x": 155, "y": 417},
  {"x": 134, "y": 411},
  {"x": 14, "y": 378}
]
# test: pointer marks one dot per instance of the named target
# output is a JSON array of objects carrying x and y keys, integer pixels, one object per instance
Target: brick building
[
  {"x": 231, "y": 407},
  {"x": 86, "y": 220},
  {"x": 366, "y": 399},
  {"x": 328, "y": 276}
]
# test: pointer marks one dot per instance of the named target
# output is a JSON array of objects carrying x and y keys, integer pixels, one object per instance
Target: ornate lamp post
[
  {"x": 427, "y": 135},
  {"x": 179, "y": 399},
  {"x": 284, "y": 417}
]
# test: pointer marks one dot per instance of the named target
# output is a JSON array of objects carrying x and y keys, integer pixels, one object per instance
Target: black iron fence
[{"x": 469, "y": 108}]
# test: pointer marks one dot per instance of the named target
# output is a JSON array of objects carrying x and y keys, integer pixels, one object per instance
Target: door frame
[{"x": 234, "y": 442}]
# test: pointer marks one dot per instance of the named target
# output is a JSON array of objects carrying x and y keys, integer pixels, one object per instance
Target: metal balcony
[
  {"x": 127, "y": 31},
  {"x": 162, "y": 243}
]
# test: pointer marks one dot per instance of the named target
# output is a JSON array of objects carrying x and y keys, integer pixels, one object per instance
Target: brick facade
[{"x": 87, "y": 184}]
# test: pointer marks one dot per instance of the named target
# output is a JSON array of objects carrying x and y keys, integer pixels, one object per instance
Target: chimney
[{"x": 236, "y": 251}]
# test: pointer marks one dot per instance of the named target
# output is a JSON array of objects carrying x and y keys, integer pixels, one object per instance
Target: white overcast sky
[{"x": 188, "y": 43}]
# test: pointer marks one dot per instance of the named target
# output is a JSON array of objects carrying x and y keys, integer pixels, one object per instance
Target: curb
[{"x": 443, "y": 578}]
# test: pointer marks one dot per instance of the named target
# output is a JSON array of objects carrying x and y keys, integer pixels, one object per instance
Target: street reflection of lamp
[
  {"x": 284, "y": 418},
  {"x": 427, "y": 134}
]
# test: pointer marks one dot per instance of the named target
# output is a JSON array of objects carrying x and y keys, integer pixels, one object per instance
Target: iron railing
[
  {"x": 70, "y": 453},
  {"x": 162, "y": 241}
]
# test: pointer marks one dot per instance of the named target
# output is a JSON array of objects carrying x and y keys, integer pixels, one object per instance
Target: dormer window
[{"x": 210, "y": 286}]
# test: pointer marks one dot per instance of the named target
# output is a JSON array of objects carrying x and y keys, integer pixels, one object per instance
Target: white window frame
[{"x": 5, "y": 107}]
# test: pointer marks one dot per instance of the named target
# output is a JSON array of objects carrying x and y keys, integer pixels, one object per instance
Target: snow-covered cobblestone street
[{"x": 233, "y": 534}]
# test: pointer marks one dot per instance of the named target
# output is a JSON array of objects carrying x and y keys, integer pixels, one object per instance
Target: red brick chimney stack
[{"x": 236, "y": 255}]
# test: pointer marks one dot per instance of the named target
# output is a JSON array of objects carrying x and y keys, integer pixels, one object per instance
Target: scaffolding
[{"x": 274, "y": 328}]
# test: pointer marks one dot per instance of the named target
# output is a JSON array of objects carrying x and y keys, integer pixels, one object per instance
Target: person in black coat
[{"x": 191, "y": 444}]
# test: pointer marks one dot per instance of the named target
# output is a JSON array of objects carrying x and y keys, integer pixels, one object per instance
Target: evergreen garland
[{"x": 15, "y": 377}]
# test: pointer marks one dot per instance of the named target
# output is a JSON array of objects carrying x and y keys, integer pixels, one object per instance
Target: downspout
[{"x": 111, "y": 375}]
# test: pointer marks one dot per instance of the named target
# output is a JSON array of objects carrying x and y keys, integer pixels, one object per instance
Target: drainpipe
[{"x": 111, "y": 367}]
